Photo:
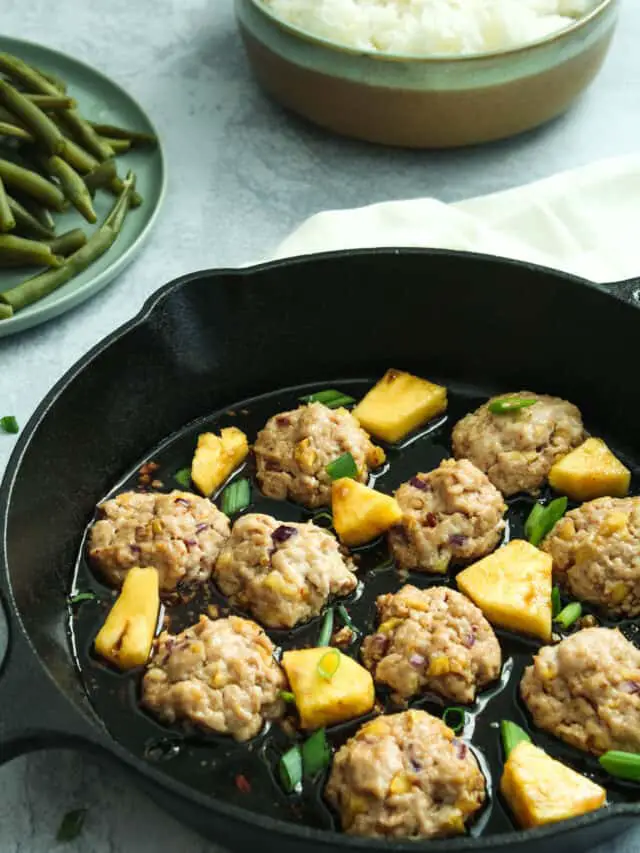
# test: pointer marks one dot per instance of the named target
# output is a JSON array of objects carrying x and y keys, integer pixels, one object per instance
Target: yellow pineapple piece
[
  {"x": 590, "y": 471},
  {"x": 360, "y": 513},
  {"x": 541, "y": 790},
  {"x": 217, "y": 457},
  {"x": 324, "y": 702},
  {"x": 512, "y": 587},
  {"x": 398, "y": 404},
  {"x": 125, "y": 638}
]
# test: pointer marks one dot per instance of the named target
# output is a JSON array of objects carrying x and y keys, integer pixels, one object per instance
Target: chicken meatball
[
  {"x": 451, "y": 514},
  {"x": 405, "y": 776},
  {"x": 179, "y": 534},
  {"x": 517, "y": 449},
  {"x": 586, "y": 691},
  {"x": 219, "y": 675},
  {"x": 432, "y": 640},
  {"x": 294, "y": 449},
  {"x": 282, "y": 573},
  {"x": 596, "y": 553}
]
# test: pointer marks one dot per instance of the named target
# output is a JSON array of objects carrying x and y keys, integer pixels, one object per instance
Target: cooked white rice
[{"x": 425, "y": 27}]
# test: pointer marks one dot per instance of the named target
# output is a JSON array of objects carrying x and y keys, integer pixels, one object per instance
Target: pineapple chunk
[
  {"x": 512, "y": 587},
  {"x": 125, "y": 638},
  {"x": 321, "y": 702},
  {"x": 541, "y": 790},
  {"x": 590, "y": 471},
  {"x": 398, "y": 404},
  {"x": 217, "y": 457},
  {"x": 360, "y": 513}
]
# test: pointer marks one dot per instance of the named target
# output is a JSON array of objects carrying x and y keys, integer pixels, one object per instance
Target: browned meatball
[
  {"x": 596, "y": 553},
  {"x": 451, "y": 514},
  {"x": 586, "y": 691},
  {"x": 220, "y": 675},
  {"x": 517, "y": 449},
  {"x": 432, "y": 640},
  {"x": 179, "y": 534},
  {"x": 405, "y": 776},
  {"x": 282, "y": 573},
  {"x": 294, "y": 449}
]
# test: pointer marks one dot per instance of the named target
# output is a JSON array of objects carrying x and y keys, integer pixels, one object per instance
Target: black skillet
[{"x": 201, "y": 344}]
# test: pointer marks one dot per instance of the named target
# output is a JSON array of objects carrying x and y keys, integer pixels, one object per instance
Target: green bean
[
  {"x": 6, "y": 312},
  {"x": 40, "y": 125},
  {"x": 69, "y": 242},
  {"x": 119, "y": 146},
  {"x": 135, "y": 137},
  {"x": 84, "y": 162},
  {"x": 73, "y": 187},
  {"x": 7, "y": 219},
  {"x": 32, "y": 184},
  {"x": 101, "y": 176},
  {"x": 13, "y": 130},
  {"x": 33, "y": 289},
  {"x": 56, "y": 81},
  {"x": 20, "y": 251},
  {"x": 26, "y": 221},
  {"x": 52, "y": 102},
  {"x": 40, "y": 213}
]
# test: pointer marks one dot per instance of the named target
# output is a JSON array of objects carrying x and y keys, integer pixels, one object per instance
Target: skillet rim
[{"x": 101, "y": 737}]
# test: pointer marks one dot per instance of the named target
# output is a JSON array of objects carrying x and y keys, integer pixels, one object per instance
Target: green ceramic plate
[{"x": 100, "y": 99}]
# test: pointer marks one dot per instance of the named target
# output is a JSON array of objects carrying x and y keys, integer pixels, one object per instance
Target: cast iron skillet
[{"x": 212, "y": 338}]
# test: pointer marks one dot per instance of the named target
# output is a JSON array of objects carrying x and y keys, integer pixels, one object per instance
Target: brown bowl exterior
[{"x": 425, "y": 103}]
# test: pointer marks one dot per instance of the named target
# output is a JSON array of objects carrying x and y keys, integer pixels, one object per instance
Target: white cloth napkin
[{"x": 585, "y": 221}]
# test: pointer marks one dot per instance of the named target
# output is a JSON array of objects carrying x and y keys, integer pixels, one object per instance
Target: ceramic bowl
[{"x": 424, "y": 102}]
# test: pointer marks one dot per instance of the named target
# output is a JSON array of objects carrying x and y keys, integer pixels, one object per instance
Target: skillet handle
[
  {"x": 34, "y": 713},
  {"x": 627, "y": 291}
]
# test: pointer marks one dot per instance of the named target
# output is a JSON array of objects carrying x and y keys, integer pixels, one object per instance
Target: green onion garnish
[
  {"x": 454, "y": 717},
  {"x": 510, "y": 404},
  {"x": 183, "y": 477},
  {"x": 323, "y": 516},
  {"x": 512, "y": 735},
  {"x": 71, "y": 825},
  {"x": 328, "y": 664},
  {"x": 327, "y": 628},
  {"x": 290, "y": 769},
  {"x": 236, "y": 497},
  {"x": 330, "y": 398},
  {"x": 79, "y": 597},
  {"x": 344, "y": 615},
  {"x": 571, "y": 613},
  {"x": 287, "y": 696},
  {"x": 624, "y": 765},
  {"x": 316, "y": 753},
  {"x": 556, "y": 604},
  {"x": 542, "y": 519},
  {"x": 343, "y": 466},
  {"x": 9, "y": 424}
]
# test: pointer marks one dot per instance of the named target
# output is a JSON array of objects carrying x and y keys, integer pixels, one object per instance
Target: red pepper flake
[{"x": 243, "y": 784}]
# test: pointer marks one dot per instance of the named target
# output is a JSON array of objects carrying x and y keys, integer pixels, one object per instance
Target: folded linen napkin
[{"x": 584, "y": 221}]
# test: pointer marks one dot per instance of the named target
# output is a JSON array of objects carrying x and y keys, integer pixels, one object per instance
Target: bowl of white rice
[{"x": 426, "y": 73}]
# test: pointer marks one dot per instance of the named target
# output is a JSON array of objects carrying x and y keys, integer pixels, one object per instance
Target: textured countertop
[{"x": 242, "y": 175}]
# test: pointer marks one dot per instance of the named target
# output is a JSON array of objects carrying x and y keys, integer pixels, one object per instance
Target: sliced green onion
[
  {"x": 571, "y": 613},
  {"x": 330, "y": 398},
  {"x": 510, "y": 404},
  {"x": 343, "y": 466},
  {"x": 290, "y": 769},
  {"x": 542, "y": 519},
  {"x": 344, "y": 615},
  {"x": 287, "y": 696},
  {"x": 556, "y": 604},
  {"x": 623, "y": 765},
  {"x": 512, "y": 735},
  {"x": 183, "y": 477},
  {"x": 79, "y": 597},
  {"x": 236, "y": 497},
  {"x": 323, "y": 516},
  {"x": 328, "y": 664},
  {"x": 9, "y": 424},
  {"x": 71, "y": 825},
  {"x": 327, "y": 629},
  {"x": 454, "y": 717},
  {"x": 316, "y": 753}
]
